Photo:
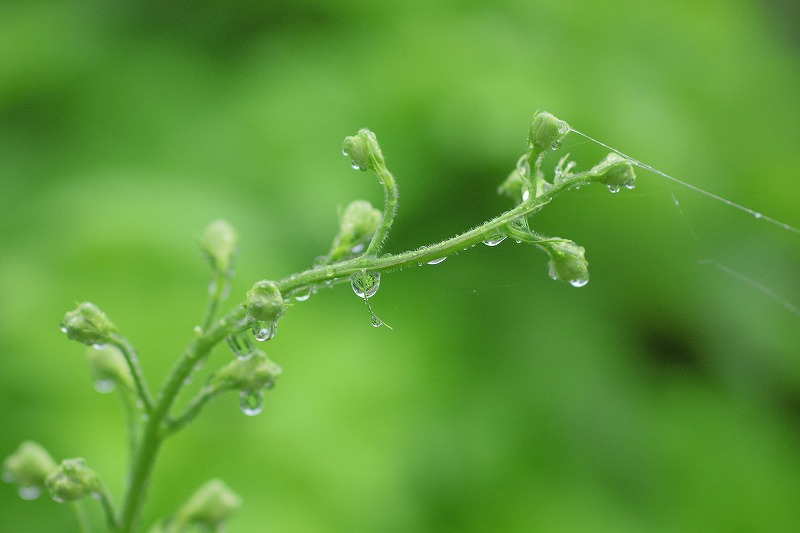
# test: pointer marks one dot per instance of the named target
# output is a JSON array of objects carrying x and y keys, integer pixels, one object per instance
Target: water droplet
[
  {"x": 613, "y": 189},
  {"x": 365, "y": 284},
  {"x": 104, "y": 386},
  {"x": 251, "y": 402},
  {"x": 63, "y": 329},
  {"x": 99, "y": 345},
  {"x": 357, "y": 249},
  {"x": 437, "y": 261},
  {"x": 302, "y": 294},
  {"x": 30, "y": 493},
  {"x": 376, "y": 322},
  {"x": 630, "y": 185},
  {"x": 525, "y": 195},
  {"x": 57, "y": 499},
  {"x": 240, "y": 346},
  {"x": 757, "y": 215},
  {"x": 356, "y": 166},
  {"x": 264, "y": 331},
  {"x": 494, "y": 241},
  {"x": 579, "y": 282}
]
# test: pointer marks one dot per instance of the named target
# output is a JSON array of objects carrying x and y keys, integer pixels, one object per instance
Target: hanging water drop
[
  {"x": 494, "y": 241},
  {"x": 376, "y": 322},
  {"x": 240, "y": 346},
  {"x": 579, "y": 282},
  {"x": 357, "y": 249},
  {"x": 104, "y": 386},
  {"x": 30, "y": 493},
  {"x": 365, "y": 284},
  {"x": 302, "y": 294},
  {"x": 63, "y": 329},
  {"x": 251, "y": 402},
  {"x": 757, "y": 215},
  {"x": 437, "y": 260},
  {"x": 613, "y": 189},
  {"x": 630, "y": 185},
  {"x": 99, "y": 345},
  {"x": 264, "y": 331}
]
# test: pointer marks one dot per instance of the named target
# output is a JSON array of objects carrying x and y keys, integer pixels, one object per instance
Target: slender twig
[{"x": 132, "y": 359}]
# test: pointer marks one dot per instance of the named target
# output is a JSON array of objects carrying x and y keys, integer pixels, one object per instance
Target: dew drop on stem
[
  {"x": 365, "y": 284},
  {"x": 302, "y": 294},
  {"x": 251, "y": 402},
  {"x": 494, "y": 241}
]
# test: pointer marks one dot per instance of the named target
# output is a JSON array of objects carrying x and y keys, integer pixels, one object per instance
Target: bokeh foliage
[{"x": 664, "y": 396}]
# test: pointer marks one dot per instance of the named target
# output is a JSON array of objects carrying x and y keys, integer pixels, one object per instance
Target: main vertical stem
[{"x": 145, "y": 457}]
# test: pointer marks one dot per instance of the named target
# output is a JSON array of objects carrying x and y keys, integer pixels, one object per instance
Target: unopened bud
[
  {"x": 108, "y": 365},
  {"x": 546, "y": 133},
  {"x": 88, "y": 324},
  {"x": 219, "y": 243},
  {"x": 359, "y": 222},
  {"x": 363, "y": 150},
  {"x": 28, "y": 467},
  {"x": 615, "y": 171},
  {"x": 567, "y": 263},
  {"x": 72, "y": 480},
  {"x": 212, "y": 504},
  {"x": 265, "y": 302},
  {"x": 255, "y": 372}
]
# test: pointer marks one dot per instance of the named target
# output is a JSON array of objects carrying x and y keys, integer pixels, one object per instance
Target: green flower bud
[
  {"x": 615, "y": 171},
  {"x": 88, "y": 324},
  {"x": 28, "y": 467},
  {"x": 363, "y": 150},
  {"x": 265, "y": 302},
  {"x": 513, "y": 186},
  {"x": 567, "y": 262},
  {"x": 72, "y": 480},
  {"x": 219, "y": 243},
  {"x": 212, "y": 504},
  {"x": 109, "y": 367},
  {"x": 358, "y": 224},
  {"x": 252, "y": 373},
  {"x": 546, "y": 133}
]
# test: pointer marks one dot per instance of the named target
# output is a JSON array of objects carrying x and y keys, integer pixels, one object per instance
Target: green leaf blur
[{"x": 663, "y": 396}]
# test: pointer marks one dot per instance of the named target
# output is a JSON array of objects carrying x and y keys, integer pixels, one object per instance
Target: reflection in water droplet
[
  {"x": 302, "y": 294},
  {"x": 240, "y": 346},
  {"x": 264, "y": 331},
  {"x": 630, "y": 185},
  {"x": 579, "y": 282},
  {"x": 365, "y": 284},
  {"x": 104, "y": 386},
  {"x": 30, "y": 493},
  {"x": 63, "y": 329},
  {"x": 251, "y": 402},
  {"x": 613, "y": 189},
  {"x": 376, "y": 322},
  {"x": 437, "y": 261},
  {"x": 494, "y": 241}
]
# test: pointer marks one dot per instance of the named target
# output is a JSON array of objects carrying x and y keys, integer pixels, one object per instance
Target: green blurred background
[{"x": 664, "y": 396}]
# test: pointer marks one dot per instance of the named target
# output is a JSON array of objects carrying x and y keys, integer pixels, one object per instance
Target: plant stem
[
  {"x": 389, "y": 207},
  {"x": 487, "y": 230},
  {"x": 153, "y": 435},
  {"x": 122, "y": 344}
]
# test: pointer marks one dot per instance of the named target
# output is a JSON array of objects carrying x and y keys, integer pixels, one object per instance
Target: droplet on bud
[
  {"x": 30, "y": 493},
  {"x": 251, "y": 402},
  {"x": 104, "y": 386},
  {"x": 579, "y": 282},
  {"x": 264, "y": 331}
]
